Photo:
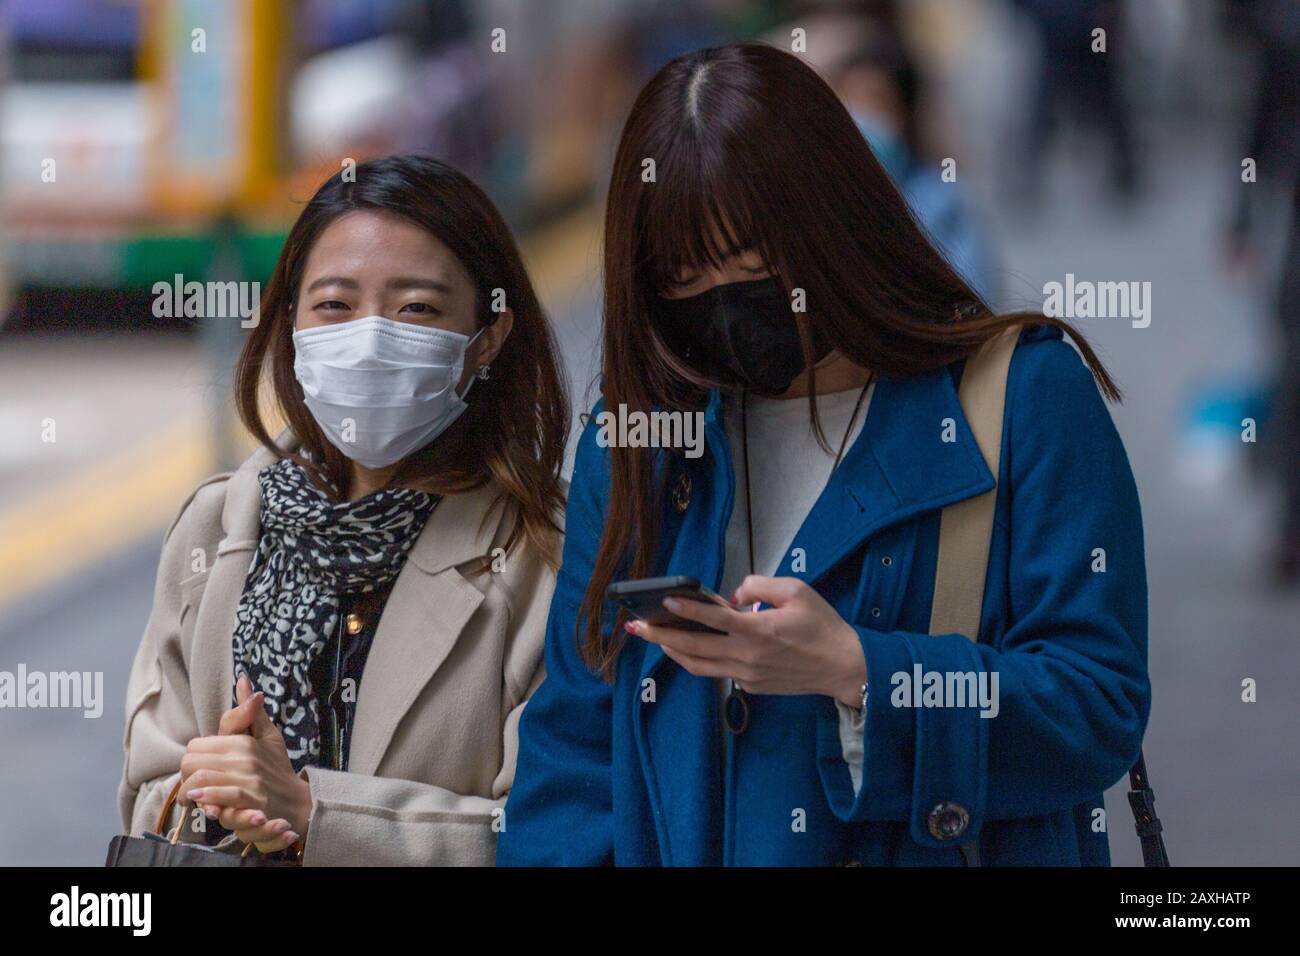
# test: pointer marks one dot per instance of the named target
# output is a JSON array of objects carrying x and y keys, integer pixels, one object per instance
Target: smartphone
[{"x": 644, "y": 598}]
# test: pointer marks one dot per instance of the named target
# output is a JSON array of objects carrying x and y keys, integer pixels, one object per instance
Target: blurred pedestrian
[
  {"x": 1272, "y": 142},
  {"x": 1074, "y": 79},
  {"x": 1284, "y": 446},
  {"x": 881, "y": 86}
]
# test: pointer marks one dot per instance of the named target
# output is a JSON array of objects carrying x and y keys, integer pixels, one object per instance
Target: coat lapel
[
  {"x": 699, "y": 540},
  {"x": 428, "y": 608},
  {"x": 901, "y": 465},
  {"x": 240, "y": 526}
]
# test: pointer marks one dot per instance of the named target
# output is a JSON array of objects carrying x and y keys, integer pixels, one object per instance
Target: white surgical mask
[{"x": 381, "y": 389}]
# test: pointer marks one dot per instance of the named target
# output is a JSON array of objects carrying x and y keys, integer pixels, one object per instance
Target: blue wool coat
[{"x": 606, "y": 775}]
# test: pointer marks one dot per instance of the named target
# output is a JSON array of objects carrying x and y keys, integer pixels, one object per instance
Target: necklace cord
[{"x": 736, "y": 691}]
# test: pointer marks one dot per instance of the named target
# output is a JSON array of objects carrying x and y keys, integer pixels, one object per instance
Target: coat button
[
  {"x": 682, "y": 494},
  {"x": 875, "y": 612},
  {"x": 886, "y": 560},
  {"x": 948, "y": 820}
]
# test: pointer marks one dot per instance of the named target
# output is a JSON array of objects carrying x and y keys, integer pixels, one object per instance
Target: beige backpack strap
[{"x": 966, "y": 527}]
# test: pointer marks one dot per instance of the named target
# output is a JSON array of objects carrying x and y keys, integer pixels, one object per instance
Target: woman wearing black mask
[{"x": 763, "y": 273}]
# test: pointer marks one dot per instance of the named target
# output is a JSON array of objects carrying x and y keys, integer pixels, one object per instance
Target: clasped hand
[{"x": 243, "y": 778}]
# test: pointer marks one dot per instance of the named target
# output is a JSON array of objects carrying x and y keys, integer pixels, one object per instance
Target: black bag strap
[
  {"x": 965, "y": 529},
  {"x": 1149, "y": 829}
]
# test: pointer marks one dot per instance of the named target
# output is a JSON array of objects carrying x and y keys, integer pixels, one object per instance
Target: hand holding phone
[{"x": 644, "y": 599}]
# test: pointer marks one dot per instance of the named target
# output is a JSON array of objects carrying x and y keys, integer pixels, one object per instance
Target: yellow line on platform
[{"x": 93, "y": 514}]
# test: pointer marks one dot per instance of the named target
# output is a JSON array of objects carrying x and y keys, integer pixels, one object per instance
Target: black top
[{"x": 336, "y": 672}]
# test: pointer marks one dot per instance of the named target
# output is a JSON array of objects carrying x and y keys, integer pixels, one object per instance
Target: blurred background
[{"x": 129, "y": 156}]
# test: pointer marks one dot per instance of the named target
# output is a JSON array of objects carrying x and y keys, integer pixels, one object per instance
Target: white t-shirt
[{"x": 790, "y": 470}]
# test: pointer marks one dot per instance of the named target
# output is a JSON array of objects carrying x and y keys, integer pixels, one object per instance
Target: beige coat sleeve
[
  {"x": 160, "y": 718},
  {"x": 393, "y": 822}
]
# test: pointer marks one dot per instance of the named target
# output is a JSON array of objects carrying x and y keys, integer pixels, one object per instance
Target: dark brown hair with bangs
[
  {"x": 515, "y": 427},
  {"x": 752, "y": 149}
]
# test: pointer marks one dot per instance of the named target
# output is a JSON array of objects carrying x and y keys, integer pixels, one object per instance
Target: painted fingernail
[
  {"x": 291, "y": 837},
  {"x": 210, "y": 813},
  {"x": 632, "y": 627},
  {"x": 195, "y": 794},
  {"x": 281, "y": 826},
  {"x": 258, "y": 819},
  {"x": 672, "y": 604}
]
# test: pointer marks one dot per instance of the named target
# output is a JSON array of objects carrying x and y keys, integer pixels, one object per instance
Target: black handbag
[{"x": 156, "y": 849}]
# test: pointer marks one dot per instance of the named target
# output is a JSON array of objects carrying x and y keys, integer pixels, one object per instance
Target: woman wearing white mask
[{"x": 346, "y": 629}]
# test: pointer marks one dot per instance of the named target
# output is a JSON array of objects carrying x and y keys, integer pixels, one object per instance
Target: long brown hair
[
  {"x": 745, "y": 146},
  {"x": 515, "y": 427}
]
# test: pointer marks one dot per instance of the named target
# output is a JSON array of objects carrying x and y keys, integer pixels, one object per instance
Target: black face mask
[{"x": 741, "y": 333}]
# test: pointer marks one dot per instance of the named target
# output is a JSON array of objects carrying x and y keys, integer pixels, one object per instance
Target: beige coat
[{"x": 457, "y": 653}]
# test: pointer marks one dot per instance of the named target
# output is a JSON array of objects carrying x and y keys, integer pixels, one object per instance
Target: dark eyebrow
[
  {"x": 333, "y": 280},
  {"x": 399, "y": 283},
  {"x": 415, "y": 283}
]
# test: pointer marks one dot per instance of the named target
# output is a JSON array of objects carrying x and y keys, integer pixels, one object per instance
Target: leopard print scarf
[{"x": 311, "y": 551}]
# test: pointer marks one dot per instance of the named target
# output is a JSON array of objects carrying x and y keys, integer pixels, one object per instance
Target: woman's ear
[{"x": 493, "y": 337}]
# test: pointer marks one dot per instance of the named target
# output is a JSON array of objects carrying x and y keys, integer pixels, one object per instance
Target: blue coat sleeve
[
  {"x": 1073, "y": 690},
  {"x": 559, "y": 808}
]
